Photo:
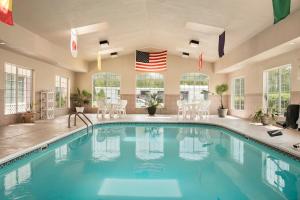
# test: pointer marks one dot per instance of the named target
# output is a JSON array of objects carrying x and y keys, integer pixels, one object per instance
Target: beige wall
[
  {"x": 28, "y": 43},
  {"x": 272, "y": 40},
  {"x": 44, "y": 79},
  {"x": 253, "y": 75},
  {"x": 124, "y": 66}
]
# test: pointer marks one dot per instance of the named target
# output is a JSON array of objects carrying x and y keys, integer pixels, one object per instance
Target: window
[
  {"x": 277, "y": 89},
  {"x": 61, "y": 88},
  {"x": 18, "y": 89},
  {"x": 192, "y": 86},
  {"x": 238, "y": 94},
  {"x": 106, "y": 85},
  {"x": 148, "y": 84}
]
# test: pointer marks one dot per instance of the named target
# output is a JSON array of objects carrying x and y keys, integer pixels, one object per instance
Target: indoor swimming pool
[{"x": 152, "y": 161}]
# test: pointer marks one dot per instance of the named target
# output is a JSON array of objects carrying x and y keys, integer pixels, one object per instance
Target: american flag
[{"x": 151, "y": 61}]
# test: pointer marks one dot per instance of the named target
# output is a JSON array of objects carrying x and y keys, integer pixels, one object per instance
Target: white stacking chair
[
  {"x": 121, "y": 109},
  {"x": 203, "y": 109},
  {"x": 180, "y": 108},
  {"x": 102, "y": 108}
]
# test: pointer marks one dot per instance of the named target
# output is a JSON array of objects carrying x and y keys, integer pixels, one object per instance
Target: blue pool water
[{"x": 153, "y": 161}]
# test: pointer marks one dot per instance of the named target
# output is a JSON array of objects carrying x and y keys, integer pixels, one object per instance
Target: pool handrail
[{"x": 78, "y": 114}]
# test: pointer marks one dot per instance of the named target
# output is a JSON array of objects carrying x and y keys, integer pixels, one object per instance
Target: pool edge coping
[{"x": 294, "y": 154}]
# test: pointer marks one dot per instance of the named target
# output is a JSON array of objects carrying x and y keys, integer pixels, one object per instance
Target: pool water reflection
[{"x": 154, "y": 161}]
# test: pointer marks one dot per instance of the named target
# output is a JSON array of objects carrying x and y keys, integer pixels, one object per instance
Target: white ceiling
[{"x": 143, "y": 24}]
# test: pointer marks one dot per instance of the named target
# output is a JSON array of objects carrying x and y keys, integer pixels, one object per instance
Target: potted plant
[
  {"x": 220, "y": 90},
  {"x": 264, "y": 118},
  {"x": 153, "y": 102},
  {"x": 28, "y": 116},
  {"x": 80, "y": 99}
]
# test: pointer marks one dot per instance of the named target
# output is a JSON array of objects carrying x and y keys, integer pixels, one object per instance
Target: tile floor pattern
[{"x": 17, "y": 138}]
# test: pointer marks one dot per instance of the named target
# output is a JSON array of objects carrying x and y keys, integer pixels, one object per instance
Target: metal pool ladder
[{"x": 77, "y": 114}]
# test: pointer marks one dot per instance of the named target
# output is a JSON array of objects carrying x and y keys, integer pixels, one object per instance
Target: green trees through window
[
  {"x": 192, "y": 86},
  {"x": 106, "y": 86},
  {"x": 18, "y": 89},
  {"x": 277, "y": 89},
  {"x": 147, "y": 84},
  {"x": 238, "y": 94},
  {"x": 61, "y": 92}
]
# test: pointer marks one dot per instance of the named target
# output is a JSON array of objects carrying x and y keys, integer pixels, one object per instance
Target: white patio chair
[
  {"x": 203, "y": 109},
  {"x": 102, "y": 108},
  {"x": 190, "y": 110},
  {"x": 180, "y": 108},
  {"x": 121, "y": 108}
]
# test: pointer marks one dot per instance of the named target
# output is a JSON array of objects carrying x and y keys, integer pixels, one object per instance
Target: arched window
[
  {"x": 192, "y": 86},
  {"x": 148, "y": 84},
  {"x": 106, "y": 85}
]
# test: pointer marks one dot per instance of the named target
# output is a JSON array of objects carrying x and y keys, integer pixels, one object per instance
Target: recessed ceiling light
[
  {"x": 194, "y": 43},
  {"x": 104, "y": 44},
  {"x": 185, "y": 54},
  {"x": 2, "y": 43},
  {"x": 114, "y": 54}
]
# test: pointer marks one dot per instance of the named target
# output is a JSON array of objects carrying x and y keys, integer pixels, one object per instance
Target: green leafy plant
[
  {"x": 100, "y": 95},
  {"x": 264, "y": 117},
  {"x": 81, "y": 98},
  {"x": 257, "y": 116},
  {"x": 220, "y": 90},
  {"x": 154, "y": 100}
]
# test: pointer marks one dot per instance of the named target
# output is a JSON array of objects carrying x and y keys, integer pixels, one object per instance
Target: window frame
[
  {"x": 67, "y": 104},
  {"x": 241, "y": 94},
  {"x": 94, "y": 100},
  {"x": 189, "y": 74},
  {"x": 18, "y": 67},
  {"x": 136, "y": 88},
  {"x": 265, "y": 86}
]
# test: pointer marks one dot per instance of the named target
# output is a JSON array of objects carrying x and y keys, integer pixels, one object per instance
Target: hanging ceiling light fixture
[
  {"x": 114, "y": 54},
  {"x": 185, "y": 54},
  {"x": 194, "y": 43},
  {"x": 104, "y": 44}
]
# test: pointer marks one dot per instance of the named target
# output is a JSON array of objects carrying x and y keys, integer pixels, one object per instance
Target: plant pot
[
  {"x": 222, "y": 112},
  {"x": 28, "y": 117},
  {"x": 79, "y": 109},
  {"x": 151, "y": 110},
  {"x": 265, "y": 120}
]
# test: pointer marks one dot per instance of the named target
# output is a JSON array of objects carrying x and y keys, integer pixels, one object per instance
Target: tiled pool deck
[{"x": 20, "y": 138}]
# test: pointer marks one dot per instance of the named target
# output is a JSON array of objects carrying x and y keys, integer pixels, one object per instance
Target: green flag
[{"x": 281, "y": 9}]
